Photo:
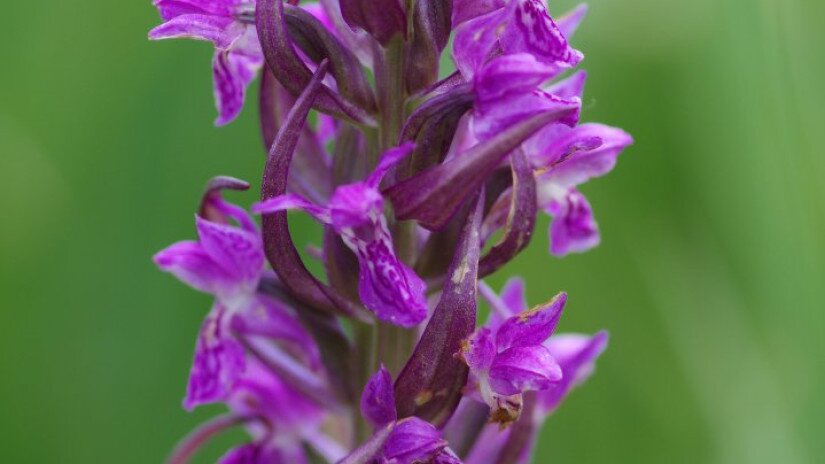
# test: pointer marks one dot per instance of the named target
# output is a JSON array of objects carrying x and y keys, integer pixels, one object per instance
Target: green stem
[{"x": 391, "y": 92}]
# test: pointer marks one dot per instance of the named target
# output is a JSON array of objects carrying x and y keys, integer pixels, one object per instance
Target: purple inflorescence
[{"x": 380, "y": 357}]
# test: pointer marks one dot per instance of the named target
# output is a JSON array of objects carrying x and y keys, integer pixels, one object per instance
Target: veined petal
[
  {"x": 232, "y": 72},
  {"x": 413, "y": 440},
  {"x": 218, "y": 361},
  {"x": 378, "y": 399},
  {"x": 387, "y": 286},
  {"x": 573, "y": 230},
  {"x": 524, "y": 368},
  {"x": 479, "y": 350},
  {"x": 237, "y": 251},
  {"x": 220, "y": 30},
  {"x": 531, "y": 29},
  {"x": 531, "y": 327},
  {"x": 355, "y": 205},
  {"x": 189, "y": 262}
]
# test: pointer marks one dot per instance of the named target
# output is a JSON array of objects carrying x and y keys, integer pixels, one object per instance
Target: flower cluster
[{"x": 423, "y": 187}]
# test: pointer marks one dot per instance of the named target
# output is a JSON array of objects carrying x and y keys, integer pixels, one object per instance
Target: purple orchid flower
[
  {"x": 520, "y": 26},
  {"x": 228, "y": 262},
  {"x": 508, "y": 358},
  {"x": 411, "y": 440},
  {"x": 564, "y": 158},
  {"x": 386, "y": 286},
  {"x": 238, "y": 55},
  {"x": 284, "y": 421}
]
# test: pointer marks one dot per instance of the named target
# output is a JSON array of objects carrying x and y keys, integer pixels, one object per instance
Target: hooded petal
[
  {"x": 378, "y": 399},
  {"x": 531, "y": 327},
  {"x": 218, "y": 361},
  {"x": 220, "y": 30},
  {"x": 189, "y": 262},
  {"x": 524, "y": 368},
  {"x": 413, "y": 440},
  {"x": 510, "y": 74},
  {"x": 577, "y": 356},
  {"x": 479, "y": 350},
  {"x": 171, "y": 8},
  {"x": 232, "y": 72},
  {"x": 475, "y": 39},
  {"x": 238, "y": 251},
  {"x": 573, "y": 230}
]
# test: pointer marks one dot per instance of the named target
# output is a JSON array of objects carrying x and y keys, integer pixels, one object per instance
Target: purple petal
[
  {"x": 479, "y": 350},
  {"x": 475, "y": 39},
  {"x": 218, "y": 361},
  {"x": 237, "y": 251},
  {"x": 524, "y": 368},
  {"x": 189, "y": 262},
  {"x": 355, "y": 205},
  {"x": 570, "y": 21},
  {"x": 388, "y": 160},
  {"x": 589, "y": 150},
  {"x": 386, "y": 285},
  {"x": 250, "y": 453},
  {"x": 220, "y": 30},
  {"x": 171, "y": 8},
  {"x": 510, "y": 74},
  {"x": 232, "y": 72},
  {"x": 378, "y": 399},
  {"x": 532, "y": 30},
  {"x": 513, "y": 295},
  {"x": 270, "y": 318},
  {"x": 573, "y": 230},
  {"x": 289, "y": 201},
  {"x": 413, "y": 440},
  {"x": 569, "y": 87},
  {"x": 531, "y": 327},
  {"x": 491, "y": 118},
  {"x": 576, "y": 354}
]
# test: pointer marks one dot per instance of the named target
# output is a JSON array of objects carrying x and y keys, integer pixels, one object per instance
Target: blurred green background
[{"x": 710, "y": 277}]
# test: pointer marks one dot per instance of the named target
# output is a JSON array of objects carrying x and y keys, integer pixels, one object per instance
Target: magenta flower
[
  {"x": 520, "y": 26},
  {"x": 228, "y": 262},
  {"x": 508, "y": 358},
  {"x": 386, "y": 285},
  {"x": 478, "y": 155},
  {"x": 238, "y": 55},
  {"x": 407, "y": 441}
]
